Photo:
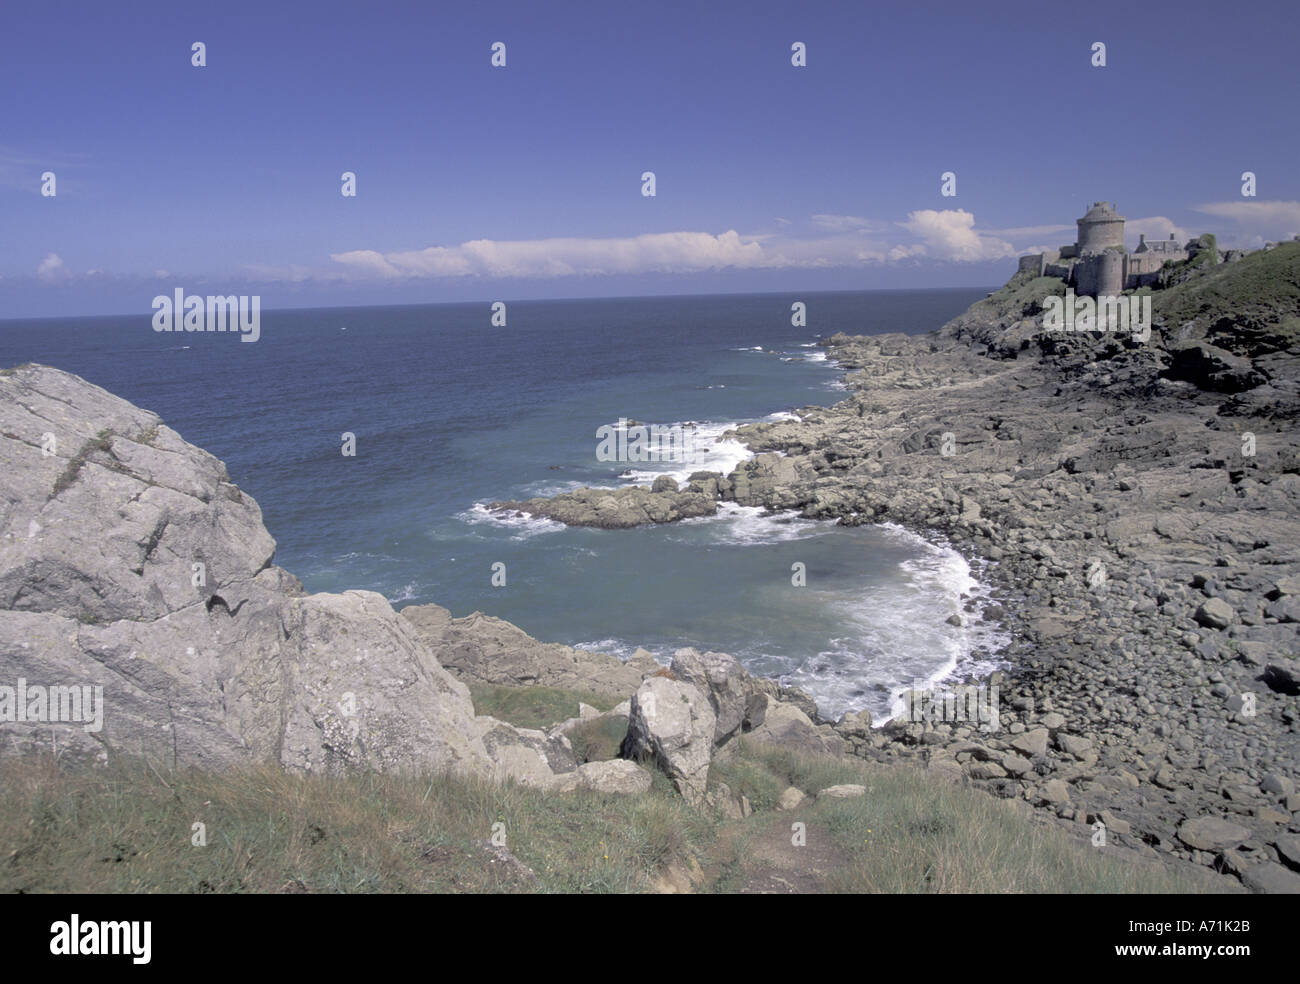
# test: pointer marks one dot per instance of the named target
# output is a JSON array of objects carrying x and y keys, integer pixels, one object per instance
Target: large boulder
[
  {"x": 1211, "y": 833},
  {"x": 531, "y": 758},
  {"x": 1212, "y": 368},
  {"x": 786, "y": 725},
  {"x": 617, "y": 776},
  {"x": 769, "y": 480},
  {"x": 672, "y": 724},
  {"x": 130, "y": 562},
  {"x": 727, "y": 685}
]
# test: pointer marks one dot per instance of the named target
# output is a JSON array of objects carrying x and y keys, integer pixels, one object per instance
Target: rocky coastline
[{"x": 1140, "y": 502}]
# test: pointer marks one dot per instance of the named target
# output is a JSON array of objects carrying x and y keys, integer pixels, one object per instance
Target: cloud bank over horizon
[
  {"x": 927, "y": 239},
  {"x": 827, "y": 241}
]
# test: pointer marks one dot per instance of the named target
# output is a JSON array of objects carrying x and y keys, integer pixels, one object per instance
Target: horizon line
[{"x": 518, "y": 300}]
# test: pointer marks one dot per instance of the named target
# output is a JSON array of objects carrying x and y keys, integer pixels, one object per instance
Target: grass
[
  {"x": 103, "y": 441},
  {"x": 1023, "y": 296},
  {"x": 599, "y": 739},
  {"x": 1245, "y": 307},
  {"x": 128, "y": 827},
  {"x": 914, "y": 833},
  {"x": 533, "y": 707}
]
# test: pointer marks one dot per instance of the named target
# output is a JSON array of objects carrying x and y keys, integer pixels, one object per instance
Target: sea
[{"x": 449, "y": 412}]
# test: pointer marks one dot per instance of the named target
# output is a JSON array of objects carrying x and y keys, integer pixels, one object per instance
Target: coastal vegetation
[{"x": 130, "y": 827}]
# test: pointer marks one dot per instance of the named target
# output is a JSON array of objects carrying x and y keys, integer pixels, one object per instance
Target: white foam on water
[
  {"x": 706, "y": 450},
  {"x": 611, "y": 647},
  {"x": 546, "y": 489},
  {"x": 408, "y": 592},
  {"x": 754, "y": 526},
  {"x": 709, "y": 451},
  {"x": 523, "y": 524},
  {"x": 900, "y": 635}
]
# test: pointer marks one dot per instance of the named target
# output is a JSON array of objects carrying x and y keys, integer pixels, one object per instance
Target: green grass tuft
[
  {"x": 533, "y": 707},
  {"x": 103, "y": 441}
]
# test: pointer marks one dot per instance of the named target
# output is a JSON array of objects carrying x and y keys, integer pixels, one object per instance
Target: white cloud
[
  {"x": 669, "y": 252},
  {"x": 50, "y": 268},
  {"x": 951, "y": 235},
  {"x": 1257, "y": 221},
  {"x": 841, "y": 223},
  {"x": 1026, "y": 232},
  {"x": 1155, "y": 227},
  {"x": 897, "y": 253},
  {"x": 947, "y": 235}
]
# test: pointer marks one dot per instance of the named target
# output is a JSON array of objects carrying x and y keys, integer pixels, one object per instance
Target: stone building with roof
[{"x": 1098, "y": 263}]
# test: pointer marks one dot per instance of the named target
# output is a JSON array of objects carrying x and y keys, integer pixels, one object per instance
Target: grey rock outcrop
[
  {"x": 672, "y": 724},
  {"x": 786, "y": 725},
  {"x": 612, "y": 509},
  {"x": 617, "y": 776},
  {"x": 130, "y": 561},
  {"x": 1213, "y": 368},
  {"x": 481, "y": 648},
  {"x": 725, "y": 683}
]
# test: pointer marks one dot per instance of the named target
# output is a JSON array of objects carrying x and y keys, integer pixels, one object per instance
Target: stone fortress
[{"x": 1099, "y": 264}]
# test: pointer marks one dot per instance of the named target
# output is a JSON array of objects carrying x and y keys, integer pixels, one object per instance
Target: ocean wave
[
  {"x": 611, "y": 647},
  {"x": 707, "y": 451},
  {"x": 408, "y": 593},
  {"x": 753, "y": 526},
  {"x": 900, "y": 636},
  {"x": 523, "y": 524}
]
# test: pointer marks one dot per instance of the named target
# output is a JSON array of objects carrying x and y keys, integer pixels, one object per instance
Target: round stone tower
[
  {"x": 1100, "y": 228},
  {"x": 1100, "y": 275}
]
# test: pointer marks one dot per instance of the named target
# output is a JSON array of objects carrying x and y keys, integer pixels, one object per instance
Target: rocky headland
[{"x": 1141, "y": 502}]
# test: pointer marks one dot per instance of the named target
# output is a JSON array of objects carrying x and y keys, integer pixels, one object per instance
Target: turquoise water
[{"x": 450, "y": 413}]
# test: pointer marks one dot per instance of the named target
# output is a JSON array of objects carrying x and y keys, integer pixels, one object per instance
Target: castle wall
[
  {"x": 1102, "y": 273},
  {"x": 1037, "y": 263},
  {"x": 1141, "y": 280},
  {"x": 1140, "y": 263},
  {"x": 1033, "y": 263}
]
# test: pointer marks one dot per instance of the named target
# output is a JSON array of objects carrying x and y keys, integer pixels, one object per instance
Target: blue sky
[{"x": 475, "y": 182}]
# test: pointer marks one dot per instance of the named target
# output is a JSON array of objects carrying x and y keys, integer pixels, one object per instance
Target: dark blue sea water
[{"x": 450, "y": 412}]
